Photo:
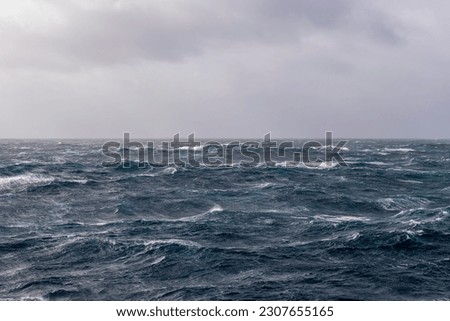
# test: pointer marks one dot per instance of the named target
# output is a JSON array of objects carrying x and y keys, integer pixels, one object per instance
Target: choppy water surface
[{"x": 378, "y": 229}]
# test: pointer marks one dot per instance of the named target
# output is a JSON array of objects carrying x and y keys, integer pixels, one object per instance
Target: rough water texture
[{"x": 378, "y": 229}]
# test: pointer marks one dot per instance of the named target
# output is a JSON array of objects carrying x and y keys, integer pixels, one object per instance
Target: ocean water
[{"x": 72, "y": 229}]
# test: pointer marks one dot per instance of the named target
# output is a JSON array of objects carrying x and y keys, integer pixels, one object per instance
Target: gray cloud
[
  {"x": 224, "y": 68},
  {"x": 129, "y": 31}
]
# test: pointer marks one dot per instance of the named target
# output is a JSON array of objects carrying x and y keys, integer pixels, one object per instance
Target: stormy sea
[{"x": 72, "y": 228}]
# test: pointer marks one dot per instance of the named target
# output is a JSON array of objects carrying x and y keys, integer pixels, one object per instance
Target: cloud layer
[{"x": 224, "y": 68}]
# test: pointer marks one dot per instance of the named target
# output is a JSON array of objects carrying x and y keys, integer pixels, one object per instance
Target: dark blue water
[{"x": 378, "y": 229}]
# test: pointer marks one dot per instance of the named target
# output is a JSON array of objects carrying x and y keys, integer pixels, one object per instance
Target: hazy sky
[{"x": 224, "y": 68}]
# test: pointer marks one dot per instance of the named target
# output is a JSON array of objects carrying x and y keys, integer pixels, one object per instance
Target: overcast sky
[{"x": 224, "y": 68}]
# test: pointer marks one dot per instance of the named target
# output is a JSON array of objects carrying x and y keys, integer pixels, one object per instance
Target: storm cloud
[{"x": 224, "y": 68}]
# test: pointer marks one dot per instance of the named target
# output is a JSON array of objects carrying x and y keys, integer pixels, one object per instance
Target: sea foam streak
[
  {"x": 22, "y": 182},
  {"x": 401, "y": 150}
]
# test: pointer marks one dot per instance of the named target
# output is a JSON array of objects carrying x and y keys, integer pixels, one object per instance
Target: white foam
[
  {"x": 146, "y": 175},
  {"x": 21, "y": 182},
  {"x": 290, "y": 164},
  {"x": 194, "y": 148},
  {"x": 14, "y": 270},
  {"x": 216, "y": 208},
  {"x": 353, "y": 236},
  {"x": 376, "y": 163},
  {"x": 434, "y": 215},
  {"x": 401, "y": 150},
  {"x": 76, "y": 180},
  {"x": 172, "y": 241},
  {"x": 158, "y": 260},
  {"x": 322, "y": 165},
  {"x": 170, "y": 170},
  {"x": 399, "y": 203},
  {"x": 410, "y": 181},
  {"x": 340, "y": 219},
  {"x": 325, "y": 165},
  {"x": 281, "y": 164},
  {"x": 334, "y": 146},
  {"x": 402, "y": 169},
  {"x": 264, "y": 185},
  {"x": 32, "y": 298}
]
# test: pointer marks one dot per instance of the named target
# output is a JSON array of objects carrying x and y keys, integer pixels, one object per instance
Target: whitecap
[
  {"x": 158, "y": 260},
  {"x": 420, "y": 216},
  {"x": 170, "y": 170},
  {"x": 401, "y": 203},
  {"x": 76, "y": 180},
  {"x": 32, "y": 298},
  {"x": 287, "y": 164},
  {"x": 326, "y": 165},
  {"x": 215, "y": 209},
  {"x": 7, "y": 273},
  {"x": 377, "y": 163},
  {"x": 263, "y": 185},
  {"x": 322, "y": 165},
  {"x": 410, "y": 181},
  {"x": 401, "y": 150},
  {"x": 190, "y": 148},
  {"x": 22, "y": 182},
  {"x": 186, "y": 243},
  {"x": 333, "y": 146},
  {"x": 340, "y": 219},
  {"x": 147, "y": 175},
  {"x": 353, "y": 236}
]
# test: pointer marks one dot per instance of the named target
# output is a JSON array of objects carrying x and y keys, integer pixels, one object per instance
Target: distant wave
[
  {"x": 401, "y": 150},
  {"x": 22, "y": 182}
]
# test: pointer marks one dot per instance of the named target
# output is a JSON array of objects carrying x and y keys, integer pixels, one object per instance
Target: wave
[
  {"x": 170, "y": 170},
  {"x": 410, "y": 181},
  {"x": 419, "y": 216},
  {"x": 186, "y": 243},
  {"x": 401, "y": 203},
  {"x": 345, "y": 149},
  {"x": 377, "y": 163},
  {"x": 81, "y": 181},
  {"x": 340, "y": 219},
  {"x": 215, "y": 209},
  {"x": 287, "y": 164},
  {"x": 373, "y": 163},
  {"x": 22, "y": 182},
  {"x": 263, "y": 185},
  {"x": 327, "y": 165},
  {"x": 157, "y": 260},
  {"x": 194, "y": 148},
  {"x": 399, "y": 150}
]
